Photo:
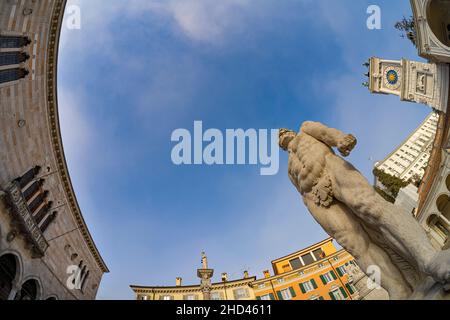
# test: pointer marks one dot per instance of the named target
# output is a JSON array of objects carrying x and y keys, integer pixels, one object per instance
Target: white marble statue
[{"x": 347, "y": 207}]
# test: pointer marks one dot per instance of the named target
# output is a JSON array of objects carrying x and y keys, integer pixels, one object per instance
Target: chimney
[
  {"x": 224, "y": 277},
  {"x": 178, "y": 282},
  {"x": 245, "y": 274},
  {"x": 266, "y": 274}
]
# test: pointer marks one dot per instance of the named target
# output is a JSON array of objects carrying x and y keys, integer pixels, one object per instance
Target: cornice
[
  {"x": 55, "y": 133},
  {"x": 194, "y": 288}
]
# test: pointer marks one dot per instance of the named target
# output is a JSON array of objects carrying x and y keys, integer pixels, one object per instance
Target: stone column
[{"x": 205, "y": 274}]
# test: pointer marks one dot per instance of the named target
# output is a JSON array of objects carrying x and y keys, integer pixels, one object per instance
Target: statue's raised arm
[{"x": 330, "y": 136}]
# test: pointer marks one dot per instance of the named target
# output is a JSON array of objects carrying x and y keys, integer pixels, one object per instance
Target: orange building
[{"x": 314, "y": 273}]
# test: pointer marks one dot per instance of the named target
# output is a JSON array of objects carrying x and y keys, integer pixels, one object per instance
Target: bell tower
[{"x": 419, "y": 82}]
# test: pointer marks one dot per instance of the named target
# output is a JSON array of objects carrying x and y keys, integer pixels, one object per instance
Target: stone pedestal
[
  {"x": 430, "y": 290},
  {"x": 361, "y": 283}
]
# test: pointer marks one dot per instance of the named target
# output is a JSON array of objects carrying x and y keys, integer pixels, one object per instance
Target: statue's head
[{"x": 285, "y": 137}]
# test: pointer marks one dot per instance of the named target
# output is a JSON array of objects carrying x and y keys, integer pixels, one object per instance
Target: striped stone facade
[{"x": 29, "y": 137}]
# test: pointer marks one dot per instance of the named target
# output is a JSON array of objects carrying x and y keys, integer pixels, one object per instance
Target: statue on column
[
  {"x": 204, "y": 261},
  {"x": 348, "y": 208},
  {"x": 205, "y": 274}
]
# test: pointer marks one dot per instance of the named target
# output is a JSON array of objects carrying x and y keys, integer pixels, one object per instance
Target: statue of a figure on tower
[
  {"x": 204, "y": 260},
  {"x": 205, "y": 274},
  {"x": 348, "y": 208}
]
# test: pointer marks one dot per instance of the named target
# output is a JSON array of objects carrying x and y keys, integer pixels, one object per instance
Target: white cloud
[
  {"x": 206, "y": 21},
  {"x": 203, "y": 21}
]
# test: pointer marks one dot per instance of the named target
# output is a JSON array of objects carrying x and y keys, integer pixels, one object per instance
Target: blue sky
[{"x": 139, "y": 69}]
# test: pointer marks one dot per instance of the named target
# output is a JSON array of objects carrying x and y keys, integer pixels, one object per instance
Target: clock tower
[{"x": 412, "y": 81}]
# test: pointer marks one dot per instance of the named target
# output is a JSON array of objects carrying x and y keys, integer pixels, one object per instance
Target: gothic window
[
  {"x": 28, "y": 176},
  {"x": 29, "y": 291},
  {"x": 33, "y": 189},
  {"x": 8, "y": 270},
  {"x": 9, "y": 75},
  {"x": 37, "y": 201},
  {"x": 39, "y": 216},
  {"x": 10, "y": 58},
  {"x": 48, "y": 221},
  {"x": 14, "y": 42}
]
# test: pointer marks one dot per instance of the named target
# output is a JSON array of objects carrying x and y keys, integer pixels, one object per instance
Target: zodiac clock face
[{"x": 392, "y": 78}]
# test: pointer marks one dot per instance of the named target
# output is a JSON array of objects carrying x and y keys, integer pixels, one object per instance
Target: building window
[
  {"x": 166, "y": 297},
  {"x": 319, "y": 254},
  {"x": 307, "y": 259},
  {"x": 9, "y": 75},
  {"x": 190, "y": 297},
  {"x": 269, "y": 296},
  {"x": 308, "y": 286},
  {"x": 261, "y": 286},
  {"x": 341, "y": 270},
  {"x": 328, "y": 277},
  {"x": 10, "y": 58},
  {"x": 286, "y": 294},
  {"x": 241, "y": 293},
  {"x": 295, "y": 263},
  {"x": 351, "y": 288},
  {"x": 281, "y": 280},
  {"x": 216, "y": 296},
  {"x": 338, "y": 294},
  {"x": 10, "y": 42}
]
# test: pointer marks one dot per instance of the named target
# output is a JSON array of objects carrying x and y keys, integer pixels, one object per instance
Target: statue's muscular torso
[{"x": 307, "y": 160}]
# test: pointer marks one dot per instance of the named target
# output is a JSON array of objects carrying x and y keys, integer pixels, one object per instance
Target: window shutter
[
  {"x": 258, "y": 298},
  {"x": 320, "y": 298},
  {"x": 272, "y": 297},
  {"x": 324, "y": 281},
  {"x": 302, "y": 288},
  {"x": 314, "y": 284},
  {"x": 332, "y": 296},
  {"x": 343, "y": 292},
  {"x": 339, "y": 272},
  {"x": 293, "y": 294},
  {"x": 280, "y": 297},
  {"x": 350, "y": 289},
  {"x": 333, "y": 274}
]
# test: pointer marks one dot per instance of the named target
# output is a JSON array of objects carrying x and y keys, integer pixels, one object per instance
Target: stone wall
[{"x": 30, "y": 136}]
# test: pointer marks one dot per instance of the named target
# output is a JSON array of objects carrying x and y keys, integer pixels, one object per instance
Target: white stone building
[
  {"x": 411, "y": 158},
  {"x": 426, "y": 83}
]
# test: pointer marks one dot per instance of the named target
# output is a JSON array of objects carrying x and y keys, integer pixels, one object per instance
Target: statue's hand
[{"x": 346, "y": 145}]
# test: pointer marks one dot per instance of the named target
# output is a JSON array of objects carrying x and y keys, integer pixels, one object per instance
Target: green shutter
[
  {"x": 350, "y": 289},
  {"x": 302, "y": 288},
  {"x": 314, "y": 283},
  {"x": 343, "y": 292},
  {"x": 332, "y": 296},
  {"x": 339, "y": 272},
  {"x": 324, "y": 281},
  {"x": 258, "y": 298},
  {"x": 293, "y": 294},
  {"x": 333, "y": 275},
  {"x": 280, "y": 297},
  {"x": 272, "y": 297},
  {"x": 320, "y": 298}
]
